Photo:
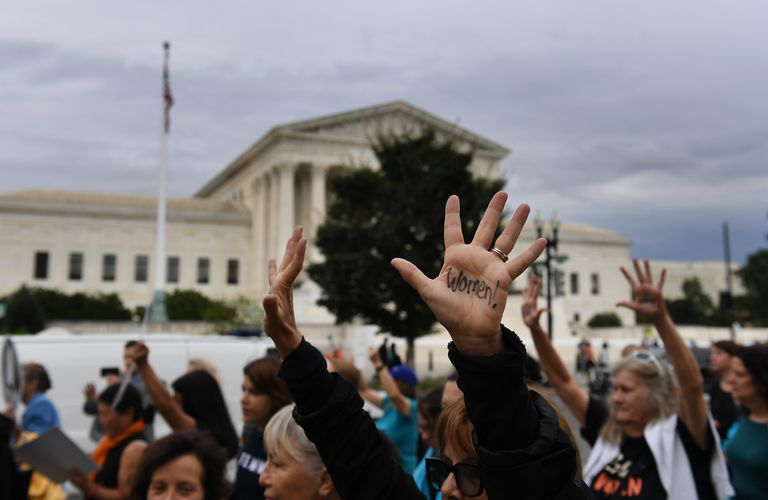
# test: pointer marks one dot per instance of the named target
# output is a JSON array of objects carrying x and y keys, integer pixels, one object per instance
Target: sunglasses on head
[
  {"x": 650, "y": 358},
  {"x": 467, "y": 476}
]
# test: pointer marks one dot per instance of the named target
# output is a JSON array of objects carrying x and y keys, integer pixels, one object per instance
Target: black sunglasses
[{"x": 467, "y": 476}]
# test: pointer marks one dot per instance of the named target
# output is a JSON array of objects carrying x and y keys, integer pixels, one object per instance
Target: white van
[{"x": 72, "y": 361}]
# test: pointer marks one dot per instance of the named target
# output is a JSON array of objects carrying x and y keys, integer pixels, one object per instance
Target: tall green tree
[
  {"x": 754, "y": 277},
  {"x": 395, "y": 211},
  {"x": 695, "y": 308}
]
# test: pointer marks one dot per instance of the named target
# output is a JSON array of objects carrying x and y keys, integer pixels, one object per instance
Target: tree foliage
[
  {"x": 191, "y": 305},
  {"x": 23, "y": 312},
  {"x": 29, "y": 309},
  {"x": 754, "y": 277},
  {"x": 695, "y": 307},
  {"x": 81, "y": 306},
  {"x": 395, "y": 211},
  {"x": 604, "y": 320}
]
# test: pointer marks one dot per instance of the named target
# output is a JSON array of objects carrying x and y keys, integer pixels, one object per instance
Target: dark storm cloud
[{"x": 645, "y": 118}]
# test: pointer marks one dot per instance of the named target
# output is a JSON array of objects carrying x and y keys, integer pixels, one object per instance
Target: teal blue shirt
[
  {"x": 402, "y": 431},
  {"x": 747, "y": 449},
  {"x": 40, "y": 414},
  {"x": 420, "y": 475}
]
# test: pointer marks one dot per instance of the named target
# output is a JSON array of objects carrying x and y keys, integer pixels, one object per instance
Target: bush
[
  {"x": 23, "y": 313},
  {"x": 190, "y": 305},
  {"x": 604, "y": 320}
]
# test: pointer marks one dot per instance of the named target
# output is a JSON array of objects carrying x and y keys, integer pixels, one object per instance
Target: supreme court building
[{"x": 219, "y": 241}]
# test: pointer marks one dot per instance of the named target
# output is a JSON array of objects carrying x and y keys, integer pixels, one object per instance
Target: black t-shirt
[
  {"x": 641, "y": 460},
  {"x": 722, "y": 407},
  {"x": 632, "y": 474},
  {"x": 250, "y": 463}
]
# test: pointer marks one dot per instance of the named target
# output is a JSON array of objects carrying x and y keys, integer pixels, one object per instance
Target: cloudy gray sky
[{"x": 649, "y": 118}]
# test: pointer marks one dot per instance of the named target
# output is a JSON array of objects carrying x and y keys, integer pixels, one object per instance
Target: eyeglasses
[
  {"x": 651, "y": 358},
  {"x": 467, "y": 476}
]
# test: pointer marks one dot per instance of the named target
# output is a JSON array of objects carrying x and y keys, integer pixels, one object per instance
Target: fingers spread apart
[
  {"x": 452, "y": 234},
  {"x": 506, "y": 241},
  {"x": 490, "y": 221},
  {"x": 412, "y": 275},
  {"x": 516, "y": 266}
]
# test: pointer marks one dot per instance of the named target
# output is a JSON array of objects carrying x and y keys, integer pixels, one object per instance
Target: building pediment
[
  {"x": 358, "y": 129},
  {"x": 367, "y": 123}
]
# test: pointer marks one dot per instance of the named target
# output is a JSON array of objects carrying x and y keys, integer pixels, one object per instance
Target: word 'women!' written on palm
[{"x": 478, "y": 287}]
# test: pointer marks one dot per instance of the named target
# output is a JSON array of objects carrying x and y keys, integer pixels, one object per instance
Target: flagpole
[{"x": 157, "y": 311}]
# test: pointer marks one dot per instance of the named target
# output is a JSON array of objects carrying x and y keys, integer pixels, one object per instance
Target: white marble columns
[
  {"x": 317, "y": 205},
  {"x": 275, "y": 196}
]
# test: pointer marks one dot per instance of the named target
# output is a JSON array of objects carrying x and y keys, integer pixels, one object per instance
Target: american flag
[{"x": 167, "y": 95}]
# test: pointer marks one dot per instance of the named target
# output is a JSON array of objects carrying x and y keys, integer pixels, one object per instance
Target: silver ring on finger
[{"x": 504, "y": 257}]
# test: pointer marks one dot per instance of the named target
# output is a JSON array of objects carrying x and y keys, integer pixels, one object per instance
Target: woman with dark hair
[
  {"x": 721, "y": 403},
  {"x": 747, "y": 445},
  {"x": 264, "y": 393},
  {"x": 120, "y": 448},
  {"x": 197, "y": 403},
  {"x": 522, "y": 452},
  {"x": 186, "y": 464}
]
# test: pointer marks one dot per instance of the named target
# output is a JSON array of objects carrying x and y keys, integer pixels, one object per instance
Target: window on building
[
  {"x": 109, "y": 267},
  {"x": 559, "y": 278},
  {"x": 141, "y": 269},
  {"x": 173, "y": 269},
  {"x": 233, "y": 271},
  {"x": 76, "y": 266},
  {"x": 41, "y": 266},
  {"x": 595, "y": 281},
  {"x": 574, "y": 283},
  {"x": 203, "y": 270}
]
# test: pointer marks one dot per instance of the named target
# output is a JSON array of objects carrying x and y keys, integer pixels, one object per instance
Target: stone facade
[{"x": 243, "y": 216}]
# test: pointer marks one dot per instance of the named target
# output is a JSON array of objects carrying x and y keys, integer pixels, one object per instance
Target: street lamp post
[{"x": 554, "y": 226}]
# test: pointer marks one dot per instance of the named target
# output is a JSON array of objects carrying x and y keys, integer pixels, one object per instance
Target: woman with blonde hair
[{"x": 653, "y": 439}]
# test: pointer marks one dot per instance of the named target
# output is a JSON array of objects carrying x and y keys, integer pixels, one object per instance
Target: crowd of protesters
[{"x": 491, "y": 430}]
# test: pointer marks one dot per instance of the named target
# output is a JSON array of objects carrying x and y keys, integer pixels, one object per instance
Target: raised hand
[
  {"x": 648, "y": 299},
  {"x": 90, "y": 392},
  {"x": 469, "y": 295},
  {"x": 279, "y": 319},
  {"x": 529, "y": 306},
  {"x": 138, "y": 354},
  {"x": 374, "y": 356}
]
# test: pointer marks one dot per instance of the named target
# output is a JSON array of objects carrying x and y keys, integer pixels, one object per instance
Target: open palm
[
  {"x": 469, "y": 295},
  {"x": 529, "y": 306},
  {"x": 647, "y": 296}
]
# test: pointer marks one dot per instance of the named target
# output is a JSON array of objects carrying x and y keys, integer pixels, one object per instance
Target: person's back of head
[
  {"x": 202, "y": 399},
  {"x": 195, "y": 364},
  {"x": 129, "y": 401},
  {"x": 406, "y": 380},
  {"x": 35, "y": 372},
  {"x": 198, "y": 444},
  {"x": 346, "y": 370}
]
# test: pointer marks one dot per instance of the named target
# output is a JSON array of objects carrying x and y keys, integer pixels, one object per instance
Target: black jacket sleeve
[
  {"x": 331, "y": 413},
  {"x": 522, "y": 452}
]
